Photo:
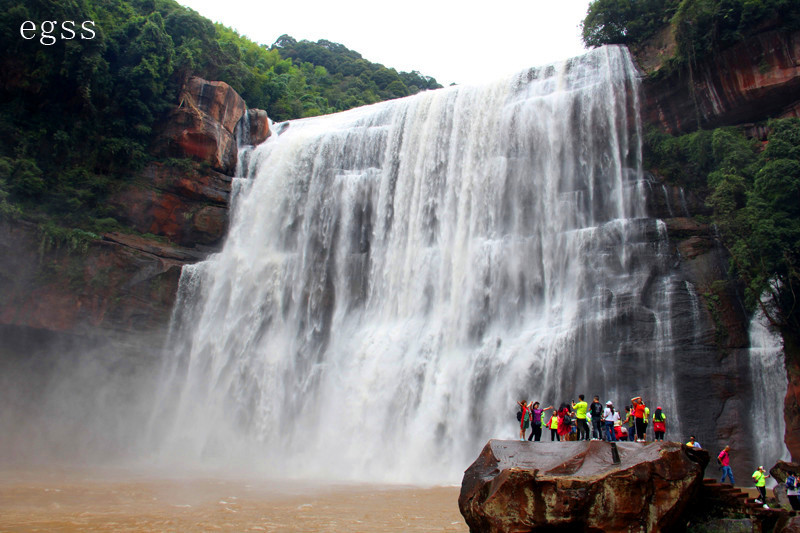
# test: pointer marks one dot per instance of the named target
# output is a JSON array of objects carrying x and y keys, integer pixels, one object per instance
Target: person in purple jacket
[{"x": 536, "y": 421}]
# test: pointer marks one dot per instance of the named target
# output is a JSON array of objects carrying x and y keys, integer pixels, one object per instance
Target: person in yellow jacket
[
  {"x": 646, "y": 420},
  {"x": 580, "y": 418},
  {"x": 553, "y": 425},
  {"x": 760, "y": 479}
]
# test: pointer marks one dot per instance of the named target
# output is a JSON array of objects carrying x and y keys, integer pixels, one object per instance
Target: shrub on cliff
[
  {"x": 755, "y": 198},
  {"x": 77, "y": 114}
]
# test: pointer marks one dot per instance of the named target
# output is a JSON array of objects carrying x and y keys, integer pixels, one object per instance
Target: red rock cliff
[{"x": 754, "y": 80}]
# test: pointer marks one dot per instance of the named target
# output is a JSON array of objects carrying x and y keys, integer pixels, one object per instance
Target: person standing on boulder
[
  {"x": 638, "y": 412},
  {"x": 553, "y": 425},
  {"x": 596, "y": 410},
  {"x": 725, "y": 463},
  {"x": 523, "y": 415},
  {"x": 580, "y": 417},
  {"x": 564, "y": 422},
  {"x": 660, "y": 426},
  {"x": 791, "y": 491},
  {"x": 610, "y": 416},
  {"x": 536, "y": 421},
  {"x": 629, "y": 423},
  {"x": 760, "y": 479}
]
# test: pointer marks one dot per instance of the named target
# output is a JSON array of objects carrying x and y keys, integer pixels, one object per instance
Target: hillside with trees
[
  {"x": 77, "y": 115},
  {"x": 700, "y": 27}
]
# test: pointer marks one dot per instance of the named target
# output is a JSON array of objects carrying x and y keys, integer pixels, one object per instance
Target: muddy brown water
[{"x": 77, "y": 500}]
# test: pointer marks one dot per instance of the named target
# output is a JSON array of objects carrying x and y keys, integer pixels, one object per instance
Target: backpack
[
  {"x": 567, "y": 420},
  {"x": 519, "y": 415},
  {"x": 790, "y": 482}
]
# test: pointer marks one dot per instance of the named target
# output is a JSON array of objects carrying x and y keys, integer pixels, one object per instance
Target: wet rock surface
[
  {"x": 123, "y": 284},
  {"x": 580, "y": 486},
  {"x": 259, "y": 126}
]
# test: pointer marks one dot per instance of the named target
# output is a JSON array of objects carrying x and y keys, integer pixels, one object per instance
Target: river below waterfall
[{"x": 94, "y": 500}]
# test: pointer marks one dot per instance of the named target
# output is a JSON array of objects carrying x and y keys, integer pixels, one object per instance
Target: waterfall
[
  {"x": 397, "y": 276},
  {"x": 768, "y": 372}
]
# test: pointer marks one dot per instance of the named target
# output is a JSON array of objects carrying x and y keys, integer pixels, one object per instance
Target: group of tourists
[
  {"x": 571, "y": 421},
  {"x": 583, "y": 421}
]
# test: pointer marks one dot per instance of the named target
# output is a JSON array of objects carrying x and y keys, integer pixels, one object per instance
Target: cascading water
[
  {"x": 397, "y": 276},
  {"x": 768, "y": 372}
]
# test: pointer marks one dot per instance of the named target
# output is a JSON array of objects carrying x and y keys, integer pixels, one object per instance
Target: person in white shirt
[{"x": 610, "y": 415}]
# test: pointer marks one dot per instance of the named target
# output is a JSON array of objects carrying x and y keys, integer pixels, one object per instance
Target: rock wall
[
  {"x": 202, "y": 125},
  {"x": 83, "y": 324},
  {"x": 126, "y": 282},
  {"x": 710, "y": 328},
  {"x": 791, "y": 406},
  {"x": 750, "y": 82},
  {"x": 188, "y": 205},
  {"x": 754, "y": 80}
]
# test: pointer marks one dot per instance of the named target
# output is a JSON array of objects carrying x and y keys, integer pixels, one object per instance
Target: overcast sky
[{"x": 461, "y": 42}]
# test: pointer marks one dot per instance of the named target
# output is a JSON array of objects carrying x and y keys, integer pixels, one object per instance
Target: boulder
[
  {"x": 518, "y": 486},
  {"x": 258, "y": 130},
  {"x": 779, "y": 473},
  {"x": 792, "y": 526},
  {"x": 202, "y": 126},
  {"x": 216, "y": 99}
]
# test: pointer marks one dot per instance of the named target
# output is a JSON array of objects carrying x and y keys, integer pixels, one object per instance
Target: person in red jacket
[
  {"x": 638, "y": 413},
  {"x": 524, "y": 419},
  {"x": 564, "y": 422},
  {"x": 725, "y": 463}
]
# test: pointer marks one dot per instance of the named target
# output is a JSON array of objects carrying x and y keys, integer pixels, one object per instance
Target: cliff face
[
  {"x": 83, "y": 324},
  {"x": 749, "y": 82},
  {"x": 125, "y": 284}
]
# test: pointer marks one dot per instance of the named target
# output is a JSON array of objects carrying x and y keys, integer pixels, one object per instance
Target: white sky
[{"x": 463, "y": 42}]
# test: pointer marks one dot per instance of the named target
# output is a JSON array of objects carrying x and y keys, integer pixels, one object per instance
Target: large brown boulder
[
  {"x": 202, "y": 126},
  {"x": 517, "y": 486}
]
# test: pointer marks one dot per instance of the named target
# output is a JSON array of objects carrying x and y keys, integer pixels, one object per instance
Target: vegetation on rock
[
  {"x": 700, "y": 26},
  {"x": 754, "y": 194},
  {"x": 77, "y": 114}
]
